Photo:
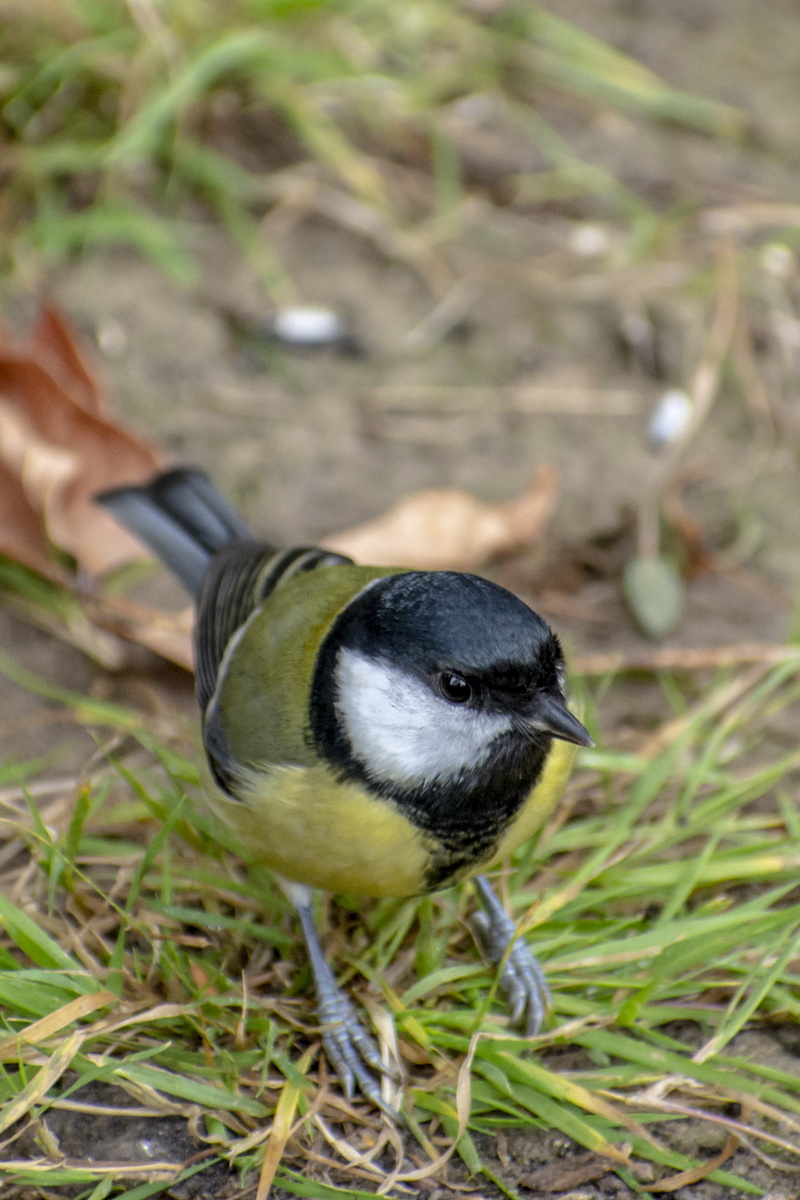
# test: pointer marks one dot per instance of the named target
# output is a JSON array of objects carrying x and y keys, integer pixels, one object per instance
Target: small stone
[
  {"x": 589, "y": 241},
  {"x": 777, "y": 260},
  {"x": 671, "y": 418},
  {"x": 303, "y": 325},
  {"x": 112, "y": 337}
]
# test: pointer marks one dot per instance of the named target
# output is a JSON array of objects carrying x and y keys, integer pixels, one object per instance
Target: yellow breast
[
  {"x": 312, "y": 829},
  {"x": 307, "y": 826}
]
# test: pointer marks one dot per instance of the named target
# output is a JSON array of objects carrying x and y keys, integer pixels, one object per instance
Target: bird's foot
[
  {"x": 521, "y": 977},
  {"x": 351, "y": 1051}
]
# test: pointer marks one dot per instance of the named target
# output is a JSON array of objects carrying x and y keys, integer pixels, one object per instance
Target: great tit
[{"x": 371, "y": 731}]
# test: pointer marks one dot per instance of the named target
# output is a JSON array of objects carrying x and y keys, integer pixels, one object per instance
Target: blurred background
[{"x": 532, "y": 235}]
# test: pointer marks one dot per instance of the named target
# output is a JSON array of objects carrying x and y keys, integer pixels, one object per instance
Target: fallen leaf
[
  {"x": 21, "y": 535},
  {"x": 702, "y": 1171},
  {"x": 40, "y": 466},
  {"x": 58, "y": 450},
  {"x": 168, "y": 634},
  {"x": 53, "y": 344},
  {"x": 446, "y": 528}
]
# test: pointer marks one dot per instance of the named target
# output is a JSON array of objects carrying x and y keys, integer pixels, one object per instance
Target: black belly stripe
[
  {"x": 462, "y": 819},
  {"x": 466, "y": 823}
]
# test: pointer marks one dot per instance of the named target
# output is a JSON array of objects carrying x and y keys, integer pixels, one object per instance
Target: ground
[{"x": 309, "y": 442}]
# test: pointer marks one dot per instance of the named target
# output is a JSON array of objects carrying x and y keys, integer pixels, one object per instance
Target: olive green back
[{"x": 265, "y": 689}]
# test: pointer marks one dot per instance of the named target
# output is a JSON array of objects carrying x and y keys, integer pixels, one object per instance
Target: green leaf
[
  {"x": 34, "y": 942},
  {"x": 37, "y": 993},
  {"x": 655, "y": 592},
  {"x": 191, "y": 1089}
]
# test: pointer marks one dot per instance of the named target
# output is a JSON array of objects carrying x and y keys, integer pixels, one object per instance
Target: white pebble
[
  {"x": 777, "y": 260},
  {"x": 671, "y": 418},
  {"x": 589, "y": 241},
  {"x": 112, "y": 337},
  {"x": 307, "y": 326}
]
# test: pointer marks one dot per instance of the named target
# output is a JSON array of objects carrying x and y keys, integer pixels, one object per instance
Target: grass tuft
[
  {"x": 110, "y": 116},
  {"x": 137, "y": 950}
]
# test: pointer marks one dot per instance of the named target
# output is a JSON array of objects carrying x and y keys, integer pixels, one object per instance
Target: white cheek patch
[{"x": 403, "y": 733}]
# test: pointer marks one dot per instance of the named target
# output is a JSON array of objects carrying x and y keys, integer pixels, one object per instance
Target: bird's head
[{"x": 427, "y": 677}]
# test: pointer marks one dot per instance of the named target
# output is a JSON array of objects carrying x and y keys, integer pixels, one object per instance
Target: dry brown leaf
[
  {"x": 21, "y": 535},
  {"x": 446, "y": 528},
  {"x": 53, "y": 344},
  {"x": 168, "y": 634},
  {"x": 695, "y": 1174},
  {"x": 58, "y": 451}
]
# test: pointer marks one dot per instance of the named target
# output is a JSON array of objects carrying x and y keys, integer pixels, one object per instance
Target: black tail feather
[{"x": 181, "y": 517}]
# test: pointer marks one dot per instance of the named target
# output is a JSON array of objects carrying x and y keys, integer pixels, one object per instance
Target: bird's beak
[{"x": 554, "y": 717}]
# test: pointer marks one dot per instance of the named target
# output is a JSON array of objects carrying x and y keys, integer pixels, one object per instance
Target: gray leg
[
  {"x": 351, "y": 1051},
  {"x": 522, "y": 979}
]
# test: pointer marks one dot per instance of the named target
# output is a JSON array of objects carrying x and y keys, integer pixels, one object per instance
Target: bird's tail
[{"x": 181, "y": 517}]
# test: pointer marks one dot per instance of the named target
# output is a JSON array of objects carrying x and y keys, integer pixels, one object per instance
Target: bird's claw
[
  {"x": 521, "y": 977},
  {"x": 351, "y": 1051}
]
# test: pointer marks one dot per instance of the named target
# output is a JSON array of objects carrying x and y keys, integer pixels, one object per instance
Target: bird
[{"x": 367, "y": 730}]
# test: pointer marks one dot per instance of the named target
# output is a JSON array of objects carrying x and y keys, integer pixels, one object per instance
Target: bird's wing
[{"x": 240, "y": 578}]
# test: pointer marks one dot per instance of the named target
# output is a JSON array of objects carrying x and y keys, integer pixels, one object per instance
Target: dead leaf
[
  {"x": 168, "y": 634},
  {"x": 695, "y": 1174},
  {"x": 446, "y": 528},
  {"x": 54, "y": 345},
  {"x": 59, "y": 450},
  {"x": 40, "y": 466},
  {"x": 21, "y": 535}
]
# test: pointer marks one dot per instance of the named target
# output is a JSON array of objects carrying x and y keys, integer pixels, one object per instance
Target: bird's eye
[{"x": 454, "y": 688}]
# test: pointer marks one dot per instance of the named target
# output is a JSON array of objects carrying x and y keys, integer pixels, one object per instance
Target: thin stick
[
  {"x": 703, "y": 390},
  {"x": 682, "y": 658}
]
